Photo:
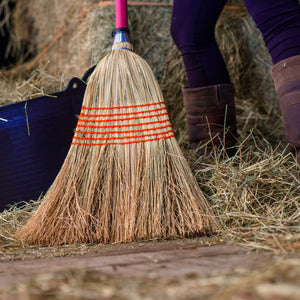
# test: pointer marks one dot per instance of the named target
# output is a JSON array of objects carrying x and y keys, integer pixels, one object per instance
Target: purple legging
[{"x": 193, "y": 31}]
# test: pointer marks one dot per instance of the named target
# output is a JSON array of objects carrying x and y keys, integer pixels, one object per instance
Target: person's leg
[
  {"x": 209, "y": 98},
  {"x": 279, "y": 22},
  {"x": 193, "y": 31}
]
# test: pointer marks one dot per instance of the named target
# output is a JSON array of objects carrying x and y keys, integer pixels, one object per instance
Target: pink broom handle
[{"x": 121, "y": 14}]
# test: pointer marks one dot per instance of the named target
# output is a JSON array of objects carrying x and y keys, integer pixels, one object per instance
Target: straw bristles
[{"x": 124, "y": 177}]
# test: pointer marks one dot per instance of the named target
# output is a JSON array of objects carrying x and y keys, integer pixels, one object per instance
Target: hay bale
[{"x": 87, "y": 39}]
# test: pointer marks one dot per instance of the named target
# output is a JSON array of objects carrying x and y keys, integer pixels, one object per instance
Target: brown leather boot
[
  {"x": 286, "y": 76},
  {"x": 211, "y": 119}
]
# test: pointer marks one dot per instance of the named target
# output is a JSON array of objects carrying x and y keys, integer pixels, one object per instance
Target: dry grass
[
  {"x": 256, "y": 194},
  {"x": 18, "y": 84}
]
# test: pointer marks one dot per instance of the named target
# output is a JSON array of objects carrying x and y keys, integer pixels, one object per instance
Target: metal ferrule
[{"x": 121, "y": 35}]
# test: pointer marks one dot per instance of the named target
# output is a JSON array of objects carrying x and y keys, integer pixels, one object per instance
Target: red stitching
[
  {"x": 124, "y": 125},
  {"x": 124, "y": 143},
  {"x": 128, "y": 131},
  {"x": 125, "y": 119},
  {"x": 119, "y": 107},
  {"x": 124, "y": 114},
  {"x": 121, "y": 138}
]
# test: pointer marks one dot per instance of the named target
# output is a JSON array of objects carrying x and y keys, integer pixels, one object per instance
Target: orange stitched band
[
  {"x": 118, "y": 107},
  {"x": 128, "y": 131},
  {"x": 124, "y": 125},
  {"x": 124, "y": 114},
  {"x": 124, "y": 143},
  {"x": 125, "y": 119},
  {"x": 121, "y": 138}
]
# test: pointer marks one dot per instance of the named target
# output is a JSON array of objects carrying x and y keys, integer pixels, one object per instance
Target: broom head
[{"x": 125, "y": 177}]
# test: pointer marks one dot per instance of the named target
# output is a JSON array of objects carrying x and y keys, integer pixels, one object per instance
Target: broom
[{"x": 124, "y": 177}]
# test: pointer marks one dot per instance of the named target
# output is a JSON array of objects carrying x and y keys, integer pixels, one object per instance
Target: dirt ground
[
  {"x": 168, "y": 259},
  {"x": 151, "y": 261}
]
